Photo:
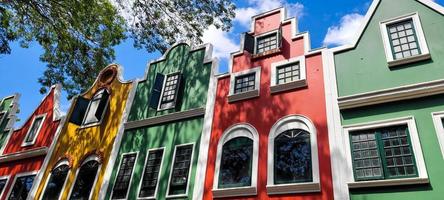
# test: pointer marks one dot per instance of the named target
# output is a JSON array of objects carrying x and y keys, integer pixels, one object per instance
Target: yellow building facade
[{"x": 78, "y": 161}]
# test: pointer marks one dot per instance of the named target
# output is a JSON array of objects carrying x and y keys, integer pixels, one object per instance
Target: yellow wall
[{"x": 76, "y": 143}]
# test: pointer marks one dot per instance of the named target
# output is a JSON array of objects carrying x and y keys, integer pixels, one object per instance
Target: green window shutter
[
  {"x": 248, "y": 43},
  {"x": 156, "y": 91},
  {"x": 78, "y": 112}
]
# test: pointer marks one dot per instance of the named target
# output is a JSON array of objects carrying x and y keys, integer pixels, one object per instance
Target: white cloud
[
  {"x": 345, "y": 31},
  {"x": 223, "y": 45}
]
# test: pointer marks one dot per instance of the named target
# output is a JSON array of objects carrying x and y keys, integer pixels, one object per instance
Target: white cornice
[
  {"x": 392, "y": 94},
  {"x": 197, "y": 112},
  {"x": 23, "y": 154}
]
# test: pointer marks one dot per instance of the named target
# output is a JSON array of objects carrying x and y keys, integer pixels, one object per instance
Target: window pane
[
  {"x": 3, "y": 184},
  {"x": 34, "y": 128},
  {"x": 236, "y": 163},
  {"x": 124, "y": 176},
  {"x": 244, "y": 83},
  {"x": 366, "y": 157},
  {"x": 181, "y": 168},
  {"x": 292, "y": 157},
  {"x": 170, "y": 90},
  {"x": 151, "y": 174},
  {"x": 85, "y": 180},
  {"x": 288, "y": 73},
  {"x": 403, "y": 39},
  {"x": 21, "y": 187},
  {"x": 266, "y": 43},
  {"x": 55, "y": 183}
]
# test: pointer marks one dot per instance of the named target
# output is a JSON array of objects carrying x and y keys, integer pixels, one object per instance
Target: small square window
[
  {"x": 288, "y": 73},
  {"x": 266, "y": 43},
  {"x": 403, "y": 39},
  {"x": 244, "y": 83}
]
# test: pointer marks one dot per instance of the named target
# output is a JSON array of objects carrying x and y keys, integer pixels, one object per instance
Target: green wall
[
  {"x": 365, "y": 68},
  {"x": 196, "y": 76},
  {"x": 5, "y": 106}
]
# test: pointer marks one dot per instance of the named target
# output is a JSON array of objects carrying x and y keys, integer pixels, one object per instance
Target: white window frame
[
  {"x": 24, "y": 143},
  {"x": 302, "y": 82},
  {"x": 163, "y": 89},
  {"x": 266, "y": 34},
  {"x": 416, "y": 146},
  {"x": 232, "y": 97},
  {"x": 89, "y": 105},
  {"x": 58, "y": 164},
  {"x": 425, "y": 54},
  {"x": 8, "y": 178},
  {"x": 189, "y": 172},
  {"x": 132, "y": 174},
  {"x": 158, "y": 176},
  {"x": 282, "y": 125},
  {"x": 237, "y": 130},
  {"x": 19, "y": 175},
  {"x": 437, "y": 121},
  {"x": 89, "y": 158}
]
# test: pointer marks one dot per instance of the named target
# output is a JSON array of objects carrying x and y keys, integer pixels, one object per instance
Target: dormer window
[
  {"x": 264, "y": 43},
  {"x": 165, "y": 91},
  {"x": 96, "y": 107},
  {"x": 34, "y": 130}
]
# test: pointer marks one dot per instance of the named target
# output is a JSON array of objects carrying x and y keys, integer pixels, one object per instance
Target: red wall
[{"x": 267, "y": 109}]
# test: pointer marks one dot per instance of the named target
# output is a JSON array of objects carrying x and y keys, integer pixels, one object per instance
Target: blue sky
[{"x": 329, "y": 23}]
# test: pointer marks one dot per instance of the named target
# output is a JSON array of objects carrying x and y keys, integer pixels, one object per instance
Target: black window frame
[
  {"x": 272, "y": 43},
  {"x": 407, "y": 42},
  {"x": 174, "y": 186},
  {"x": 127, "y": 167},
  {"x": 293, "y": 75},
  {"x": 241, "y": 85},
  {"x": 154, "y": 162},
  {"x": 172, "y": 89}
]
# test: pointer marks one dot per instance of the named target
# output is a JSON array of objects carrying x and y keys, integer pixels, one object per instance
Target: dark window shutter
[
  {"x": 156, "y": 91},
  {"x": 248, "y": 43},
  {"x": 102, "y": 105},
  {"x": 78, "y": 112},
  {"x": 279, "y": 37},
  {"x": 179, "y": 91}
]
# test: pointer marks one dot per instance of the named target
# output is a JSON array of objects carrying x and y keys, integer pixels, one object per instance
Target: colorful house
[
  {"x": 388, "y": 140},
  {"x": 159, "y": 155},
  {"x": 8, "y": 110},
  {"x": 269, "y": 138},
  {"x": 76, "y": 166},
  {"x": 25, "y": 150}
]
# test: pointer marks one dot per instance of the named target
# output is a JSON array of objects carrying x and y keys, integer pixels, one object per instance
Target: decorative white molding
[
  {"x": 232, "y": 96},
  {"x": 132, "y": 173},
  {"x": 24, "y": 143},
  {"x": 158, "y": 175},
  {"x": 439, "y": 128},
  {"x": 168, "y": 196},
  {"x": 392, "y": 94},
  {"x": 23, "y": 154},
  {"x": 197, "y": 112},
  {"x": 288, "y": 123},
  {"x": 416, "y": 146},
  {"x": 422, "y": 43},
  {"x": 237, "y": 130},
  {"x": 302, "y": 82}
]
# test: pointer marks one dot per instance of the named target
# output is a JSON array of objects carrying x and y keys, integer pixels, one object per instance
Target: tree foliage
[{"x": 78, "y": 36}]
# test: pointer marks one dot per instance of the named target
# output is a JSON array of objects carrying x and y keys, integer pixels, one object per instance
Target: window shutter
[
  {"x": 279, "y": 37},
  {"x": 179, "y": 92},
  {"x": 102, "y": 105},
  {"x": 249, "y": 43},
  {"x": 79, "y": 110},
  {"x": 156, "y": 91}
]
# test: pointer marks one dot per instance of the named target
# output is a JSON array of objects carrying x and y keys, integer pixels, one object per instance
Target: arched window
[
  {"x": 56, "y": 181},
  {"x": 236, "y": 164},
  {"x": 96, "y": 107},
  {"x": 292, "y": 156},
  {"x": 86, "y": 177}
]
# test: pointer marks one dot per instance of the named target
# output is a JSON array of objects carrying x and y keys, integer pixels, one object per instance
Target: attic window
[
  {"x": 96, "y": 108},
  {"x": 165, "y": 91},
  {"x": 266, "y": 43},
  {"x": 263, "y": 44},
  {"x": 34, "y": 130}
]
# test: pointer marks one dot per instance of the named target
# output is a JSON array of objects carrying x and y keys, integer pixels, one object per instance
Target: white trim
[
  {"x": 302, "y": 82},
  {"x": 425, "y": 54},
  {"x": 58, "y": 164},
  {"x": 392, "y": 94},
  {"x": 168, "y": 118},
  {"x": 23, "y": 154},
  {"x": 24, "y": 143},
  {"x": 237, "y": 130},
  {"x": 170, "y": 105},
  {"x": 132, "y": 173},
  {"x": 439, "y": 128},
  {"x": 8, "y": 178},
  {"x": 89, "y": 158},
  {"x": 276, "y": 32},
  {"x": 232, "y": 97},
  {"x": 202, "y": 160},
  {"x": 416, "y": 146},
  {"x": 158, "y": 175},
  {"x": 19, "y": 175},
  {"x": 189, "y": 172},
  {"x": 287, "y": 123}
]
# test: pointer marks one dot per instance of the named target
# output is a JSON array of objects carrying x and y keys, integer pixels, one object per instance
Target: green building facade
[
  {"x": 168, "y": 123},
  {"x": 387, "y": 111},
  {"x": 8, "y": 111}
]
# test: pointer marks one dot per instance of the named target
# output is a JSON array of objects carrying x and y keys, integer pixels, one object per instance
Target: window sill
[
  {"x": 234, "y": 192},
  {"x": 288, "y": 86},
  {"x": 388, "y": 182},
  {"x": 27, "y": 144},
  {"x": 408, "y": 60},
  {"x": 243, "y": 96},
  {"x": 266, "y": 53},
  {"x": 177, "y": 196},
  {"x": 293, "y": 188}
]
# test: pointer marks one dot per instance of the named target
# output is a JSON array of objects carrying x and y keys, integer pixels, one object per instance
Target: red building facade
[
  {"x": 25, "y": 151},
  {"x": 269, "y": 137}
]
